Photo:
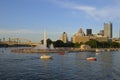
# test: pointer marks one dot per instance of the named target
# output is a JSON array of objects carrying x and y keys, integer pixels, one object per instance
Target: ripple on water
[{"x": 71, "y": 66}]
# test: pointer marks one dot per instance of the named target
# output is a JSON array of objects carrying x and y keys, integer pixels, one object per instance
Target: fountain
[
  {"x": 44, "y": 46},
  {"x": 51, "y": 46},
  {"x": 40, "y": 47}
]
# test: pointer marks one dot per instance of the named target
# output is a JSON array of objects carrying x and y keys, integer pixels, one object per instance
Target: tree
[
  {"x": 93, "y": 43},
  {"x": 105, "y": 44},
  {"x": 58, "y": 43},
  {"x": 49, "y": 42},
  {"x": 69, "y": 44},
  {"x": 77, "y": 45},
  {"x": 114, "y": 45},
  {"x": 41, "y": 41}
]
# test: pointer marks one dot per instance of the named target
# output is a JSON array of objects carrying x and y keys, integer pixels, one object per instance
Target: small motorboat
[
  {"x": 91, "y": 59},
  {"x": 45, "y": 57},
  {"x": 61, "y": 53}
]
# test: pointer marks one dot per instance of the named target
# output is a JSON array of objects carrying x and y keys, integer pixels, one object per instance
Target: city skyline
[{"x": 29, "y": 18}]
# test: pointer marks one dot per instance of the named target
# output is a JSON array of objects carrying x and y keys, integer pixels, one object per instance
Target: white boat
[{"x": 45, "y": 57}]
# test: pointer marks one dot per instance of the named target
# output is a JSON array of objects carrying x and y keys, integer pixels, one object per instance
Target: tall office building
[
  {"x": 64, "y": 37},
  {"x": 89, "y": 32},
  {"x": 108, "y": 30}
]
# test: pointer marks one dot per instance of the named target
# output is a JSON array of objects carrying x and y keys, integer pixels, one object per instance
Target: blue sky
[{"x": 29, "y": 18}]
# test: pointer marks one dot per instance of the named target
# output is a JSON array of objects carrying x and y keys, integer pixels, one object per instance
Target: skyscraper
[
  {"x": 64, "y": 37},
  {"x": 108, "y": 30},
  {"x": 89, "y": 32}
]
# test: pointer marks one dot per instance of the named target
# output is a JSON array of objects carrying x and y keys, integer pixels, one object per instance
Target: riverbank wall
[{"x": 32, "y": 50}]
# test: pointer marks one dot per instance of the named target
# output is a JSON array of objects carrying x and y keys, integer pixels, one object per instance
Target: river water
[{"x": 71, "y": 66}]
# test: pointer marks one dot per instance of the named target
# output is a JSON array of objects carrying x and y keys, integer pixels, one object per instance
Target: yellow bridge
[{"x": 20, "y": 41}]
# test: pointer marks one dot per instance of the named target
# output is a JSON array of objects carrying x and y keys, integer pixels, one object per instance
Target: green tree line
[
  {"x": 15, "y": 45},
  {"x": 93, "y": 43},
  {"x": 59, "y": 43}
]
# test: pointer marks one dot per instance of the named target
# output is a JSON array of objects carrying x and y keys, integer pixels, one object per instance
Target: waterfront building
[
  {"x": 89, "y": 32},
  {"x": 108, "y": 30},
  {"x": 100, "y": 38},
  {"x": 64, "y": 37},
  {"x": 101, "y": 33},
  {"x": 80, "y": 37},
  {"x": 80, "y": 32}
]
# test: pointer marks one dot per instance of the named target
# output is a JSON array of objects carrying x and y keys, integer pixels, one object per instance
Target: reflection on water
[{"x": 71, "y": 66}]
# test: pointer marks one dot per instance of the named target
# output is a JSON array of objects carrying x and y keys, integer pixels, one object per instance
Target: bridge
[{"x": 20, "y": 41}]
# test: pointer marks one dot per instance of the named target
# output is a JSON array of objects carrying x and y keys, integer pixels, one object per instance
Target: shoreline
[{"x": 32, "y": 50}]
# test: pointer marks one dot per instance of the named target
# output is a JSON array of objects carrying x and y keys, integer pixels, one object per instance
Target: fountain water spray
[{"x": 45, "y": 47}]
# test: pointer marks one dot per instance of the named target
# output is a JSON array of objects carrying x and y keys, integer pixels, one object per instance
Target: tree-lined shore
[
  {"x": 58, "y": 43},
  {"x": 92, "y": 43},
  {"x": 15, "y": 45}
]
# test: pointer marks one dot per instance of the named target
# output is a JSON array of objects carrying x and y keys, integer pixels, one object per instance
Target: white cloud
[
  {"x": 109, "y": 11},
  {"x": 72, "y": 5}
]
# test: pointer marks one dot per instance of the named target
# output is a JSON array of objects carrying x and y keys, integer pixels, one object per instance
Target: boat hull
[
  {"x": 45, "y": 57},
  {"x": 91, "y": 59}
]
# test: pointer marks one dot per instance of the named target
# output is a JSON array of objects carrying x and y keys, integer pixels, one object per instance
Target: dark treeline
[
  {"x": 15, "y": 45},
  {"x": 3, "y": 45},
  {"x": 59, "y": 43},
  {"x": 92, "y": 43},
  {"x": 97, "y": 44}
]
